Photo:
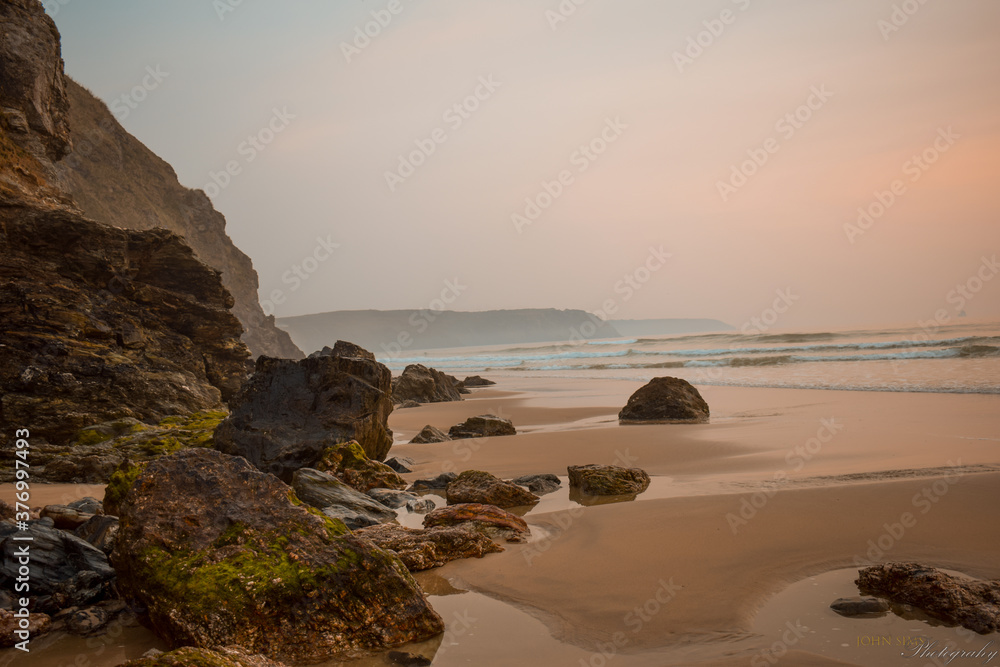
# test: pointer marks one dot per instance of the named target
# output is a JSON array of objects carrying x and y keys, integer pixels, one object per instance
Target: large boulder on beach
[
  {"x": 539, "y": 484},
  {"x": 219, "y": 553},
  {"x": 290, "y": 412},
  {"x": 430, "y": 434},
  {"x": 476, "y": 381},
  {"x": 436, "y": 483},
  {"x": 476, "y": 486},
  {"x": 602, "y": 480},
  {"x": 349, "y": 463},
  {"x": 424, "y": 385},
  {"x": 432, "y": 547},
  {"x": 65, "y": 570},
  {"x": 488, "y": 519},
  {"x": 482, "y": 426},
  {"x": 665, "y": 400},
  {"x": 324, "y": 491},
  {"x": 973, "y": 604}
]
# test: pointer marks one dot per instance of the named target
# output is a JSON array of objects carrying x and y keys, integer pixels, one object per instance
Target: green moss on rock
[{"x": 120, "y": 484}]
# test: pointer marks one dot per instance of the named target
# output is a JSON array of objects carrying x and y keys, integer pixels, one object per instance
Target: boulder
[
  {"x": 400, "y": 464},
  {"x": 188, "y": 656},
  {"x": 65, "y": 570},
  {"x": 973, "y": 604},
  {"x": 860, "y": 607},
  {"x": 424, "y": 385},
  {"x": 100, "y": 531},
  {"x": 487, "y": 518},
  {"x": 407, "y": 404},
  {"x": 64, "y": 517},
  {"x": 322, "y": 491},
  {"x": 429, "y": 548},
  {"x": 219, "y": 553},
  {"x": 290, "y": 412},
  {"x": 665, "y": 400},
  {"x": 351, "y": 518},
  {"x": 539, "y": 484},
  {"x": 420, "y": 506},
  {"x": 407, "y": 659},
  {"x": 476, "y": 381},
  {"x": 430, "y": 434},
  {"x": 87, "y": 505},
  {"x": 434, "y": 483},
  {"x": 476, "y": 486},
  {"x": 601, "y": 480},
  {"x": 482, "y": 426},
  {"x": 349, "y": 463},
  {"x": 6, "y": 510},
  {"x": 391, "y": 499}
]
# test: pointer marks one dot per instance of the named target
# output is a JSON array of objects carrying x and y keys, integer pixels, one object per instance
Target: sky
[{"x": 835, "y": 161}]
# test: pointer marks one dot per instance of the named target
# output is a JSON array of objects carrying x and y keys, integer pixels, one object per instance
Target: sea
[{"x": 962, "y": 356}]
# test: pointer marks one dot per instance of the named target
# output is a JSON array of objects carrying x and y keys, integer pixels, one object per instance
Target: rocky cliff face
[
  {"x": 114, "y": 178},
  {"x": 96, "y": 322}
]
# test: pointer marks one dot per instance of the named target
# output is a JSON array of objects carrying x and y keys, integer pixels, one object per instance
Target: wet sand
[{"x": 712, "y": 563}]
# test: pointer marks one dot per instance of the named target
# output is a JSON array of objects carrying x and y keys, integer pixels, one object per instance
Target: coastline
[{"x": 586, "y": 570}]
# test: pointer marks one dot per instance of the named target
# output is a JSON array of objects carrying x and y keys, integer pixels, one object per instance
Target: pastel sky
[{"x": 738, "y": 136}]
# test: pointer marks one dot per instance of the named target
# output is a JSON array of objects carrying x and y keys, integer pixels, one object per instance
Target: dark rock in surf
[
  {"x": 424, "y": 385},
  {"x": 665, "y": 400}
]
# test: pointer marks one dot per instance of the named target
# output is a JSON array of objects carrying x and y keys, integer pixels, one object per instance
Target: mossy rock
[
  {"x": 220, "y": 656},
  {"x": 348, "y": 462},
  {"x": 218, "y": 554}
]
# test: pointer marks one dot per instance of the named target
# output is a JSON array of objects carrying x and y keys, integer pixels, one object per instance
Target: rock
[
  {"x": 188, "y": 656},
  {"x": 87, "y": 621},
  {"x": 476, "y": 381},
  {"x": 349, "y": 463},
  {"x": 407, "y": 404},
  {"x": 430, "y": 434},
  {"x": 87, "y": 505},
  {"x": 458, "y": 384},
  {"x": 60, "y": 311},
  {"x": 420, "y": 506},
  {"x": 6, "y": 510},
  {"x": 400, "y": 464},
  {"x": 290, "y": 412},
  {"x": 434, "y": 483},
  {"x": 476, "y": 486},
  {"x": 322, "y": 491},
  {"x": 391, "y": 499},
  {"x": 38, "y": 625},
  {"x": 100, "y": 531},
  {"x": 64, "y": 517},
  {"x": 973, "y": 604},
  {"x": 408, "y": 659},
  {"x": 488, "y": 518},
  {"x": 115, "y": 179},
  {"x": 429, "y": 548},
  {"x": 218, "y": 553},
  {"x": 539, "y": 484},
  {"x": 601, "y": 480},
  {"x": 860, "y": 607},
  {"x": 351, "y": 518},
  {"x": 424, "y": 385},
  {"x": 665, "y": 400},
  {"x": 65, "y": 570},
  {"x": 483, "y": 426}
]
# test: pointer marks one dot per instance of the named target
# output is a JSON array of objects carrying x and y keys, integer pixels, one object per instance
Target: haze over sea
[{"x": 958, "y": 357}]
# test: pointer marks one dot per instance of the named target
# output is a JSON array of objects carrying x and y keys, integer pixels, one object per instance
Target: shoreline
[{"x": 586, "y": 569}]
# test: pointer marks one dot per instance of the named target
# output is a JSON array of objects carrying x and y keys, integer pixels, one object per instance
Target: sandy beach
[{"x": 750, "y": 528}]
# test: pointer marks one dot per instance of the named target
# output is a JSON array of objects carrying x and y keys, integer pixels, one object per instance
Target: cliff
[{"x": 114, "y": 178}]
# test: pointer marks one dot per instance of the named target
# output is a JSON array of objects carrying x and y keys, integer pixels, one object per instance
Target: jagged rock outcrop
[
  {"x": 101, "y": 323},
  {"x": 665, "y": 400},
  {"x": 114, "y": 178},
  {"x": 290, "y": 412},
  {"x": 219, "y": 553},
  {"x": 424, "y": 385},
  {"x": 970, "y": 603}
]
